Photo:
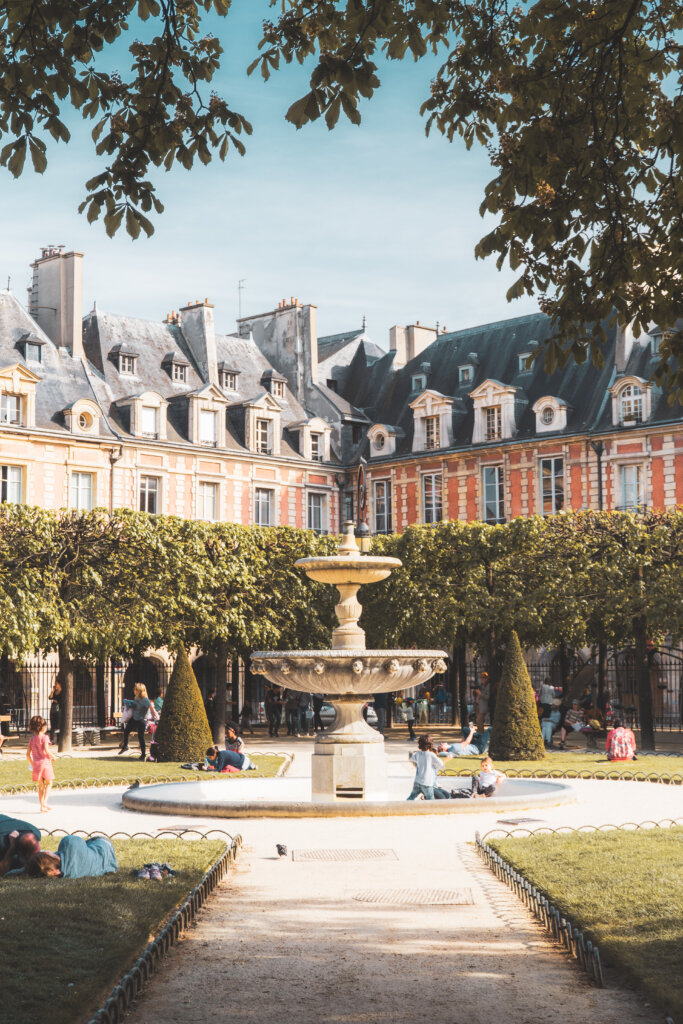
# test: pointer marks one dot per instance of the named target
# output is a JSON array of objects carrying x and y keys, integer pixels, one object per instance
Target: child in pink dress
[{"x": 40, "y": 757}]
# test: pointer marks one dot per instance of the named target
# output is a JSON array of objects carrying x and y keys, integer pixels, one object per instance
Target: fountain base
[{"x": 349, "y": 762}]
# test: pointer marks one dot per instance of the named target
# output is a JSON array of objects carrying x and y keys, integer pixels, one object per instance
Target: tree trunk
[
  {"x": 602, "y": 675},
  {"x": 462, "y": 683},
  {"x": 235, "y": 690},
  {"x": 66, "y": 678},
  {"x": 100, "y": 696},
  {"x": 564, "y": 667},
  {"x": 647, "y": 724},
  {"x": 222, "y": 663}
]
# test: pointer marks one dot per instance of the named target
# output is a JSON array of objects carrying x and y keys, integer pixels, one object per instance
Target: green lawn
[
  {"x": 594, "y": 765},
  {"x": 103, "y": 771},
  {"x": 66, "y": 943},
  {"x": 623, "y": 889}
]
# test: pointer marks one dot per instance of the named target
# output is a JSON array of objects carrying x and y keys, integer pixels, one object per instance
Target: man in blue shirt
[{"x": 75, "y": 858}]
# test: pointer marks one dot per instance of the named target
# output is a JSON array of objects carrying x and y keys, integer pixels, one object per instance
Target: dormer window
[
  {"x": 547, "y": 415},
  {"x": 655, "y": 342},
  {"x": 493, "y": 423},
  {"x": 274, "y": 383},
  {"x": 432, "y": 432},
  {"x": 379, "y": 442},
  {"x": 631, "y": 404},
  {"x": 83, "y": 417},
  {"x": 176, "y": 367},
  {"x": 317, "y": 447},
  {"x": 31, "y": 348},
  {"x": 551, "y": 414},
  {"x": 263, "y": 442},
  {"x": 127, "y": 365},
  {"x": 150, "y": 422},
  {"x": 523, "y": 366},
  {"x": 10, "y": 410},
  {"x": 277, "y": 388},
  {"x": 228, "y": 380},
  {"x": 418, "y": 382},
  {"x": 465, "y": 374},
  {"x": 208, "y": 428},
  {"x": 179, "y": 373}
]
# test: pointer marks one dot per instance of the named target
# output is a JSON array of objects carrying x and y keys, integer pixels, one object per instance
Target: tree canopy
[{"x": 578, "y": 104}]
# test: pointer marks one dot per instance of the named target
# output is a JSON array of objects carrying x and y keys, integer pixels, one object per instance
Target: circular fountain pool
[{"x": 291, "y": 798}]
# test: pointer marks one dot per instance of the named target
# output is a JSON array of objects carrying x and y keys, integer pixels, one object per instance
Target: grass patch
[
  {"x": 592, "y": 765},
  {"x": 623, "y": 890},
  {"x": 119, "y": 771},
  {"x": 67, "y": 942}
]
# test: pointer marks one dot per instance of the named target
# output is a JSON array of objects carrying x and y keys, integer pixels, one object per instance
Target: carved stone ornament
[
  {"x": 285, "y": 668},
  {"x": 318, "y": 667},
  {"x": 393, "y": 666},
  {"x": 258, "y": 668},
  {"x": 357, "y": 666},
  {"x": 439, "y": 666},
  {"x": 422, "y": 665}
]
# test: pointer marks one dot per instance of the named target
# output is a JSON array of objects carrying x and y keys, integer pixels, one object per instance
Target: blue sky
[{"x": 375, "y": 220}]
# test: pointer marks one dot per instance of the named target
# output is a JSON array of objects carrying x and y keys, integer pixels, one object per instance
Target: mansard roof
[{"x": 61, "y": 379}]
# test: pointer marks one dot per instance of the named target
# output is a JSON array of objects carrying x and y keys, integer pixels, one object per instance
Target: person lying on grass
[
  {"x": 19, "y": 841},
  {"x": 473, "y": 743},
  {"x": 217, "y": 760},
  {"x": 75, "y": 858}
]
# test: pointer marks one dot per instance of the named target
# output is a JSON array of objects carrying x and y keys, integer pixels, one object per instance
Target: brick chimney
[
  {"x": 196, "y": 323},
  {"x": 55, "y": 297}
]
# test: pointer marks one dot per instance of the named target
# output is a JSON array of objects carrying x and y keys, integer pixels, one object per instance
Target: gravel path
[{"x": 284, "y": 939}]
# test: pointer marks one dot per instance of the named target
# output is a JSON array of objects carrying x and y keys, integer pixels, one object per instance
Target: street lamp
[{"x": 363, "y": 537}]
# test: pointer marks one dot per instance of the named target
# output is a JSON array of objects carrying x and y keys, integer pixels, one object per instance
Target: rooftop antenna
[
  {"x": 437, "y": 328},
  {"x": 364, "y": 321},
  {"x": 9, "y": 283},
  {"x": 240, "y": 288}
]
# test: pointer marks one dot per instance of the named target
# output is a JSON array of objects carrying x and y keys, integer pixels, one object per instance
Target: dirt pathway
[{"x": 288, "y": 940}]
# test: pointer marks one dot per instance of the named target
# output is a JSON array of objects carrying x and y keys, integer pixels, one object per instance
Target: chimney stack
[
  {"x": 198, "y": 328},
  {"x": 55, "y": 297}
]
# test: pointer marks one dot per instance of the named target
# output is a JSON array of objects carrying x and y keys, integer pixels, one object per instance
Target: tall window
[
  {"x": 179, "y": 373},
  {"x": 631, "y": 403},
  {"x": 552, "y": 485},
  {"x": 11, "y": 479},
  {"x": 432, "y": 432},
  {"x": 127, "y": 364},
  {"x": 348, "y": 506},
  {"x": 263, "y": 507},
  {"x": 382, "y": 506},
  {"x": 631, "y": 488},
  {"x": 263, "y": 446},
  {"x": 208, "y": 501},
  {"x": 316, "y": 512},
  {"x": 431, "y": 497},
  {"x": 493, "y": 422},
  {"x": 149, "y": 494},
  {"x": 494, "y": 511},
  {"x": 81, "y": 491},
  {"x": 317, "y": 447},
  {"x": 207, "y": 427},
  {"x": 150, "y": 421},
  {"x": 10, "y": 409}
]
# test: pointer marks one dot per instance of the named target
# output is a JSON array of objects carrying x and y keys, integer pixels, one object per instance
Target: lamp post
[
  {"x": 363, "y": 537},
  {"x": 598, "y": 447}
]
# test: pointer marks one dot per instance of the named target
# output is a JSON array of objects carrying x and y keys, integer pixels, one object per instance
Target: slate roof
[
  {"x": 330, "y": 344},
  {"x": 63, "y": 380},
  {"x": 494, "y": 349}
]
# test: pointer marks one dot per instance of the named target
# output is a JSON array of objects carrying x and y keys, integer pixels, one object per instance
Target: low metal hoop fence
[
  {"x": 561, "y": 928},
  {"x": 672, "y": 778},
  {"x": 133, "y": 981}
]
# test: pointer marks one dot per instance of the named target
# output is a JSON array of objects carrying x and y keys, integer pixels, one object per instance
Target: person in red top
[
  {"x": 621, "y": 744},
  {"x": 40, "y": 757}
]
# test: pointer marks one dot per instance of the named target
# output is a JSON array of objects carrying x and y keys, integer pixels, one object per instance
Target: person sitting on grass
[
  {"x": 621, "y": 743},
  {"x": 19, "y": 840},
  {"x": 488, "y": 779},
  {"x": 428, "y": 767},
  {"x": 573, "y": 722},
  {"x": 217, "y": 760},
  {"x": 75, "y": 858},
  {"x": 473, "y": 743}
]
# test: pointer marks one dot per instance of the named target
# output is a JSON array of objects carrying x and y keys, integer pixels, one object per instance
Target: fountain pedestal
[{"x": 349, "y": 762}]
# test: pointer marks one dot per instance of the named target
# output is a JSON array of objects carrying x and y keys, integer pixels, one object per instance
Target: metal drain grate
[
  {"x": 417, "y": 897},
  {"x": 314, "y": 855}
]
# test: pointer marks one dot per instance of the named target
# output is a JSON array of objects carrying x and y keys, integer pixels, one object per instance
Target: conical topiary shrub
[
  {"x": 183, "y": 732},
  {"x": 516, "y": 732}
]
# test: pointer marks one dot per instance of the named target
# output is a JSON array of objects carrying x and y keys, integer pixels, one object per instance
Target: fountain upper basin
[
  {"x": 348, "y": 672},
  {"x": 348, "y": 569}
]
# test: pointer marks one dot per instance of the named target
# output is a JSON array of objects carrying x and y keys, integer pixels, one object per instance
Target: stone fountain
[{"x": 348, "y": 761}]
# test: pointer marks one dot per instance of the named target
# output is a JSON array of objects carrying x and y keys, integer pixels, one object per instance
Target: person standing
[
  {"x": 210, "y": 708},
  {"x": 482, "y": 709},
  {"x": 317, "y": 708},
  {"x": 141, "y": 707},
  {"x": 304, "y": 704},
  {"x": 273, "y": 704},
  {"x": 40, "y": 757},
  {"x": 409, "y": 705},
  {"x": 55, "y": 698},
  {"x": 428, "y": 767},
  {"x": 381, "y": 711},
  {"x": 545, "y": 699},
  {"x": 292, "y": 712}
]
